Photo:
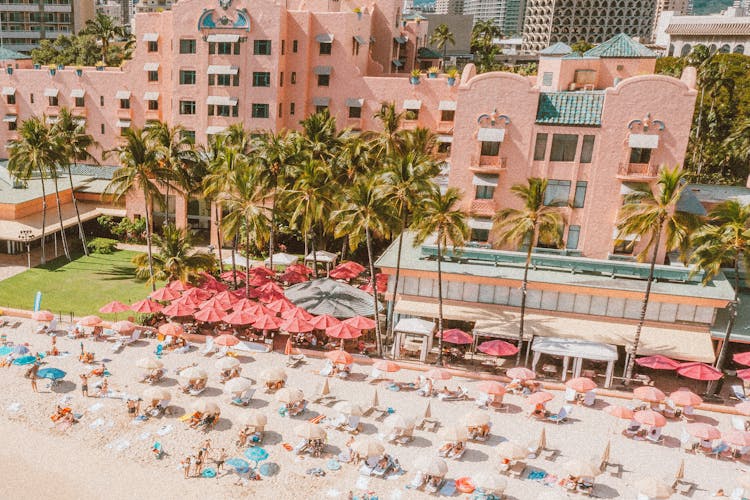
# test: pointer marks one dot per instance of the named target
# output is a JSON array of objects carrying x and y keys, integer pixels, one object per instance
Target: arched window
[
  {"x": 671, "y": 50},
  {"x": 724, "y": 49},
  {"x": 685, "y": 50},
  {"x": 739, "y": 49},
  {"x": 712, "y": 48}
]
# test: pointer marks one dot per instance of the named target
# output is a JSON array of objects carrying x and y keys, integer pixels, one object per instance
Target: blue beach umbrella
[
  {"x": 51, "y": 373},
  {"x": 5, "y": 350},
  {"x": 241, "y": 466},
  {"x": 24, "y": 360},
  {"x": 256, "y": 454},
  {"x": 20, "y": 349}
]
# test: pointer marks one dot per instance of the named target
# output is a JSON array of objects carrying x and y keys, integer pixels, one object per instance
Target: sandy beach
[{"x": 108, "y": 455}]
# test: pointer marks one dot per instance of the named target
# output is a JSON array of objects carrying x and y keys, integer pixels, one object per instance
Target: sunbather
[
  {"x": 98, "y": 372},
  {"x": 195, "y": 419},
  {"x": 458, "y": 449},
  {"x": 425, "y": 388},
  {"x": 446, "y": 449},
  {"x": 539, "y": 411}
]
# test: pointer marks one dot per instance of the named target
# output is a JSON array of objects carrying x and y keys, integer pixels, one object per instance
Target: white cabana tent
[
  {"x": 414, "y": 332},
  {"x": 239, "y": 260},
  {"x": 282, "y": 259},
  {"x": 578, "y": 350},
  {"x": 322, "y": 257}
]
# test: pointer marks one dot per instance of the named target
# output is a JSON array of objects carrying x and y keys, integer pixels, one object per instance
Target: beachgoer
[
  {"x": 220, "y": 459},
  {"x": 33, "y": 377},
  {"x": 104, "y": 389},
  {"x": 84, "y": 385},
  {"x": 242, "y": 437},
  {"x": 206, "y": 448},
  {"x": 199, "y": 464},
  {"x": 131, "y": 407}
]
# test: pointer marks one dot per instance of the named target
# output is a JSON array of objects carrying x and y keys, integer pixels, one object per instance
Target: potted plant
[
  {"x": 415, "y": 75},
  {"x": 99, "y": 66},
  {"x": 37, "y": 66},
  {"x": 9, "y": 69},
  {"x": 433, "y": 72},
  {"x": 60, "y": 66},
  {"x": 52, "y": 69},
  {"x": 79, "y": 70},
  {"x": 358, "y": 11},
  {"x": 452, "y": 74}
]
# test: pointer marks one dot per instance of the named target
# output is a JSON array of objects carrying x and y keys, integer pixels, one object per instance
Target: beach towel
[
  {"x": 449, "y": 488},
  {"x": 333, "y": 464},
  {"x": 537, "y": 475},
  {"x": 14, "y": 407},
  {"x": 164, "y": 430},
  {"x": 316, "y": 472},
  {"x": 208, "y": 472}
]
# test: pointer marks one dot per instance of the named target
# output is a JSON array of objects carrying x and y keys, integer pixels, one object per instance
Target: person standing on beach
[
  {"x": 186, "y": 466},
  {"x": 84, "y": 385},
  {"x": 33, "y": 377},
  {"x": 206, "y": 449},
  {"x": 220, "y": 459}
]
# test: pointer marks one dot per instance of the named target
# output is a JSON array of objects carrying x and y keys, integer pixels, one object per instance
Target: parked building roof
[
  {"x": 620, "y": 46},
  {"x": 570, "y": 108},
  {"x": 8, "y": 54},
  {"x": 716, "y": 193}
]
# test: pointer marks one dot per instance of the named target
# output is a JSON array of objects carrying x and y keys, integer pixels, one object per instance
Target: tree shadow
[
  {"x": 604, "y": 491},
  {"x": 211, "y": 392},
  {"x": 63, "y": 387},
  {"x": 368, "y": 429},
  {"x": 167, "y": 382},
  {"x": 257, "y": 403}
]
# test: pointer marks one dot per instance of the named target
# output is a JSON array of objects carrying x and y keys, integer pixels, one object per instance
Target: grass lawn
[{"x": 79, "y": 287}]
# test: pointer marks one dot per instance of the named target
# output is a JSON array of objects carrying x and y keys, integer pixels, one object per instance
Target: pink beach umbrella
[
  {"x": 239, "y": 318},
  {"x": 226, "y": 340},
  {"x": 90, "y": 321},
  {"x": 257, "y": 309},
  {"x": 243, "y": 304},
  {"x": 658, "y": 362},
  {"x": 649, "y": 393},
  {"x": 171, "y": 329},
  {"x": 179, "y": 286},
  {"x": 438, "y": 374},
  {"x": 744, "y": 374},
  {"x": 581, "y": 384},
  {"x": 360, "y": 323},
  {"x": 704, "y": 431},
  {"x": 164, "y": 294},
  {"x": 114, "y": 307},
  {"x": 346, "y": 271},
  {"x": 292, "y": 277},
  {"x": 540, "y": 397},
  {"x": 147, "y": 306},
  {"x": 620, "y": 412},
  {"x": 123, "y": 327},
  {"x": 685, "y": 397},
  {"x": 188, "y": 300},
  {"x": 491, "y": 387},
  {"x": 456, "y": 336},
  {"x": 300, "y": 269},
  {"x": 210, "y": 315},
  {"x": 262, "y": 271},
  {"x": 520, "y": 373},
  {"x": 267, "y": 322},
  {"x": 270, "y": 287},
  {"x": 215, "y": 303},
  {"x": 296, "y": 313},
  {"x": 280, "y": 305},
  {"x": 229, "y": 275},
  {"x": 259, "y": 280},
  {"x": 297, "y": 325},
  {"x": 324, "y": 321},
  {"x": 343, "y": 331},
  {"x": 386, "y": 366},
  {"x": 742, "y": 358},
  {"x": 198, "y": 294},
  {"x": 699, "y": 371},
  {"x": 737, "y": 437},
  {"x": 42, "y": 316},
  {"x": 177, "y": 309},
  {"x": 226, "y": 297},
  {"x": 650, "y": 418},
  {"x": 498, "y": 348}
]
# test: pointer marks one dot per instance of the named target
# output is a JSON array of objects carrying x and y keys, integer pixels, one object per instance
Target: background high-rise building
[
  {"x": 455, "y": 7},
  {"x": 550, "y": 21},
  {"x": 507, "y": 14},
  {"x": 24, "y": 24},
  {"x": 679, "y": 7},
  {"x": 119, "y": 10}
]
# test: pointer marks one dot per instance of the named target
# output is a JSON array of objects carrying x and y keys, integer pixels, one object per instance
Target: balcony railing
[
  {"x": 488, "y": 164},
  {"x": 638, "y": 170},
  {"x": 483, "y": 208},
  {"x": 445, "y": 127}
]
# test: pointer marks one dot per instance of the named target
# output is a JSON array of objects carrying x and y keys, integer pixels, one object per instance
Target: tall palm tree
[
  {"x": 174, "y": 151},
  {"x": 76, "y": 144},
  {"x": 54, "y": 175},
  {"x": 105, "y": 30},
  {"x": 320, "y": 137},
  {"x": 725, "y": 241},
  {"x": 34, "y": 152},
  {"x": 368, "y": 213},
  {"x": 441, "y": 37},
  {"x": 528, "y": 225},
  {"x": 391, "y": 138},
  {"x": 652, "y": 214},
  {"x": 139, "y": 169},
  {"x": 438, "y": 214}
]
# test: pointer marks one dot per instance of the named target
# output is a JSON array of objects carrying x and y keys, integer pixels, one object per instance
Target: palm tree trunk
[
  {"x": 440, "y": 300},
  {"x": 148, "y": 247},
  {"x": 60, "y": 218},
  {"x": 81, "y": 234},
  {"x": 644, "y": 306},
  {"x": 218, "y": 237},
  {"x": 371, "y": 262},
  {"x": 272, "y": 234},
  {"x": 44, "y": 217},
  {"x": 247, "y": 258},
  {"x": 105, "y": 49},
  {"x": 315, "y": 258},
  {"x": 343, "y": 247},
  {"x": 713, "y": 384},
  {"x": 389, "y": 318},
  {"x": 524, "y": 285},
  {"x": 166, "y": 205},
  {"x": 234, "y": 264}
]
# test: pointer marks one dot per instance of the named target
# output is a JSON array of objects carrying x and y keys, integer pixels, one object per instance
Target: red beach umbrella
[
  {"x": 685, "y": 397},
  {"x": 699, "y": 371},
  {"x": 520, "y": 373},
  {"x": 171, "y": 329},
  {"x": 114, "y": 307},
  {"x": 280, "y": 305},
  {"x": 296, "y": 313},
  {"x": 498, "y": 348},
  {"x": 343, "y": 331},
  {"x": 215, "y": 303},
  {"x": 300, "y": 269},
  {"x": 226, "y": 340},
  {"x": 238, "y": 318},
  {"x": 581, "y": 384},
  {"x": 179, "y": 286},
  {"x": 293, "y": 277},
  {"x": 198, "y": 293},
  {"x": 340, "y": 357},
  {"x": 701, "y": 430},
  {"x": 257, "y": 309},
  {"x": 259, "y": 280},
  {"x": 270, "y": 287},
  {"x": 360, "y": 323},
  {"x": 243, "y": 304},
  {"x": 256, "y": 271},
  {"x": 267, "y": 322},
  {"x": 147, "y": 306},
  {"x": 210, "y": 315},
  {"x": 297, "y": 325},
  {"x": 176, "y": 309},
  {"x": 742, "y": 358},
  {"x": 229, "y": 275},
  {"x": 539, "y": 398},
  {"x": 744, "y": 374},
  {"x": 266, "y": 297},
  {"x": 386, "y": 366},
  {"x": 346, "y": 271},
  {"x": 492, "y": 387},
  {"x": 123, "y": 327},
  {"x": 737, "y": 437},
  {"x": 649, "y": 393},
  {"x": 456, "y": 336},
  {"x": 658, "y": 362},
  {"x": 226, "y": 297},
  {"x": 90, "y": 321},
  {"x": 42, "y": 316},
  {"x": 620, "y": 412},
  {"x": 650, "y": 418},
  {"x": 323, "y": 321},
  {"x": 189, "y": 301},
  {"x": 164, "y": 294}
]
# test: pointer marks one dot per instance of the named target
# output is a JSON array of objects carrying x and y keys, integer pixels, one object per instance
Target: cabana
[
  {"x": 322, "y": 257},
  {"x": 413, "y": 334},
  {"x": 578, "y": 350},
  {"x": 282, "y": 260},
  {"x": 331, "y": 297}
]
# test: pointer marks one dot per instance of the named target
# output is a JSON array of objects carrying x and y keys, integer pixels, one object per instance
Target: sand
[{"x": 106, "y": 455}]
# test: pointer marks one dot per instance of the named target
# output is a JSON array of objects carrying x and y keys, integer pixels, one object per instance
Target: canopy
[
  {"x": 415, "y": 326},
  {"x": 321, "y": 256},
  {"x": 576, "y": 349},
  {"x": 327, "y": 296},
  {"x": 282, "y": 259}
]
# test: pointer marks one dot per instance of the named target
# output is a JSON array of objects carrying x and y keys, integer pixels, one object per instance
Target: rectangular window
[
  {"x": 10, "y": 99},
  {"x": 101, "y": 100},
  {"x": 324, "y": 80},
  {"x": 540, "y": 147},
  {"x": 587, "y": 148},
  {"x": 281, "y": 109},
  {"x": 153, "y": 46},
  {"x": 262, "y": 47},
  {"x": 583, "y": 77},
  {"x": 236, "y": 48},
  {"x": 124, "y": 103},
  {"x": 259, "y": 110},
  {"x": 224, "y": 48},
  {"x": 640, "y": 155},
  {"x": 355, "y": 112},
  {"x": 153, "y": 105},
  {"x": 355, "y": 46},
  {"x": 12, "y": 126},
  {"x": 444, "y": 147},
  {"x": 223, "y": 80},
  {"x": 53, "y": 100},
  {"x": 79, "y": 102},
  {"x": 325, "y": 48},
  {"x": 187, "y": 77},
  {"x": 557, "y": 193},
  {"x": 261, "y": 79},
  {"x": 295, "y": 46},
  {"x": 579, "y": 199},
  {"x": 101, "y": 127},
  {"x": 31, "y": 98},
  {"x": 210, "y": 110},
  {"x": 212, "y": 48},
  {"x": 484, "y": 192},
  {"x": 283, "y": 47},
  {"x": 481, "y": 235},
  {"x": 281, "y": 79},
  {"x": 564, "y": 147},
  {"x": 189, "y": 135},
  {"x": 490, "y": 148},
  {"x": 153, "y": 76},
  {"x": 187, "y": 107},
  {"x": 321, "y": 109},
  {"x": 294, "y": 77},
  {"x": 291, "y": 106},
  {"x": 447, "y": 115},
  {"x": 411, "y": 114},
  {"x": 547, "y": 78},
  {"x": 574, "y": 234},
  {"x": 187, "y": 46}
]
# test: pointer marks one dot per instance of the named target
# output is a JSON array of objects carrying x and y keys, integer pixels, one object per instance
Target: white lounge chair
[
  {"x": 133, "y": 338},
  {"x": 209, "y": 348},
  {"x": 244, "y": 398},
  {"x": 739, "y": 392},
  {"x": 562, "y": 415},
  {"x": 118, "y": 345}
]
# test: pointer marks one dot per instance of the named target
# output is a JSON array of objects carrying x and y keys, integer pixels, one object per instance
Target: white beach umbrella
[
  {"x": 273, "y": 375},
  {"x": 368, "y": 447},
  {"x": 194, "y": 373},
  {"x": 511, "y": 450},
  {"x": 488, "y": 482},
  {"x": 434, "y": 467},
  {"x": 227, "y": 363},
  {"x": 308, "y": 430},
  {"x": 237, "y": 384},
  {"x": 152, "y": 393},
  {"x": 256, "y": 419},
  {"x": 581, "y": 468},
  {"x": 206, "y": 407},
  {"x": 454, "y": 433},
  {"x": 653, "y": 487},
  {"x": 348, "y": 408},
  {"x": 149, "y": 364},
  {"x": 397, "y": 421},
  {"x": 476, "y": 418},
  {"x": 289, "y": 395}
]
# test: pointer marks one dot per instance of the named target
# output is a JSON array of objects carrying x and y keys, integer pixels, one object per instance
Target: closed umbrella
[
  {"x": 209, "y": 315},
  {"x": 368, "y": 447},
  {"x": 237, "y": 384},
  {"x": 434, "y": 467},
  {"x": 42, "y": 316},
  {"x": 90, "y": 321},
  {"x": 156, "y": 393},
  {"x": 658, "y": 362},
  {"x": 581, "y": 468},
  {"x": 520, "y": 373},
  {"x": 454, "y": 433},
  {"x": 308, "y": 430},
  {"x": 267, "y": 322},
  {"x": 699, "y": 371},
  {"x": 324, "y": 321},
  {"x": 737, "y": 437},
  {"x": 178, "y": 309},
  {"x": 193, "y": 373},
  {"x": 581, "y": 384},
  {"x": 456, "y": 336},
  {"x": 289, "y": 395},
  {"x": 511, "y": 450},
  {"x": 491, "y": 387},
  {"x": 226, "y": 340},
  {"x": 50, "y": 373},
  {"x": 650, "y": 418},
  {"x": 498, "y": 348},
  {"x": 685, "y": 397},
  {"x": 123, "y": 327},
  {"x": 227, "y": 363},
  {"x": 256, "y": 419},
  {"x": 386, "y": 366},
  {"x": 540, "y": 397},
  {"x": 620, "y": 412},
  {"x": 438, "y": 374},
  {"x": 704, "y": 431},
  {"x": 343, "y": 331},
  {"x": 476, "y": 418},
  {"x": 149, "y": 364},
  {"x": 348, "y": 408},
  {"x": 164, "y": 294},
  {"x": 239, "y": 318},
  {"x": 171, "y": 329},
  {"x": 653, "y": 487},
  {"x": 114, "y": 307},
  {"x": 146, "y": 306},
  {"x": 360, "y": 323},
  {"x": 206, "y": 407},
  {"x": 273, "y": 375},
  {"x": 340, "y": 357},
  {"x": 649, "y": 393}
]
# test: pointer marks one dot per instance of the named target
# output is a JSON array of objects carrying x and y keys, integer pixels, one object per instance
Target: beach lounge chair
[
  {"x": 460, "y": 395},
  {"x": 196, "y": 392},
  {"x": 589, "y": 398},
  {"x": 382, "y": 471},
  {"x": 738, "y": 392},
  {"x": 483, "y": 400},
  {"x": 209, "y": 348},
  {"x": 434, "y": 488},
  {"x": 295, "y": 359},
  {"x": 244, "y": 398},
  {"x": 417, "y": 482},
  {"x": 118, "y": 345},
  {"x": 133, "y": 338},
  {"x": 517, "y": 469},
  {"x": 184, "y": 349},
  {"x": 301, "y": 447},
  {"x": 562, "y": 415}
]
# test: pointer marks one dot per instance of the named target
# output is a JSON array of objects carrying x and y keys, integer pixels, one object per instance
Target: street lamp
[{"x": 26, "y": 236}]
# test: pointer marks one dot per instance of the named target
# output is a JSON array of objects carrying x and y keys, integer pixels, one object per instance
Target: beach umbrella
[
  {"x": 743, "y": 374},
  {"x": 230, "y": 275},
  {"x": 50, "y": 373},
  {"x": 280, "y": 305},
  {"x": 386, "y": 366},
  {"x": 438, "y": 374},
  {"x": 456, "y": 336},
  {"x": 340, "y": 357},
  {"x": 737, "y": 437},
  {"x": 297, "y": 326},
  {"x": 256, "y": 419},
  {"x": 454, "y": 433},
  {"x": 343, "y": 331},
  {"x": 300, "y": 269},
  {"x": 270, "y": 287},
  {"x": 258, "y": 281},
  {"x": 398, "y": 421},
  {"x": 476, "y": 418},
  {"x": 176, "y": 309},
  {"x": 289, "y": 395},
  {"x": 296, "y": 313},
  {"x": 193, "y": 373},
  {"x": 226, "y": 297},
  {"x": 520, "y": 373},
  {"x": 210, "y": 314},
  {"x": 123, "y": 327},
  {"x": 490, "y": 484},
  {"x": 179, "y": 286},
  {"x": 20, "y": 349},
  {"x": 206, "y": 407},
  {"x": 511, "y": 450},
  {"x": 90, "y": 321},
  {"x": 491, "y": 387},
  {"x": 256, "y": 454},
  {"x": 368, "y": 447},
  {"x": 164, "y": 294},
  {"x": 24, "y": 360},
  {"x": 255, "y": 308},
  {"x": 191, "y": 301},
  {"x": 146, "y": 306},
  {"x": 742, "y": 358},
  {"x": 237, "y": 384},
  {"x": 238, "y": 318},
  {"x": 581, "y": 384},
  {"x": 323, "y": 321},
  {"x": 262, "y": 271},
  {"x": 348, "y": 408},
  {"x": 273, "y": 375},
  {"x": 650, "y": 418},
  {"x": 360, "y": 323},
  {"x": 114, "y": 307},
  {"x": 149, "y": 364},
  {"x": 743, "y": 408},
  {"x": 704, "y": 431},
  {"x": 197, "y": 294},
  {"x": 434, "y": 467},
  {"x": 685, "y": 397},
  {"x": 620, "y": 412},
  {"x": 267, "y": 322},
  {"x": 308, "y": 430},
  {"x": 152, "y": 393},
  {"x": 653, "y": 487},
  {"x": 227, "y": 363},
  {"x": 699, "y": 371},
  {"x": 216, "y": 303},
  {"x": 658, "y": 362},
  {"x": 226, "y": 340},
  {"x": 42, "y": 316},
  {"x": 498, "y": 348},
  {"x": 542, "y": 443},
  {"x": 346, "y": 271},
  {"x": 293, "y": 277},
  {"x": 240, "y": 465},
  {"x": 581, "y": 468},
  {"x": 171, "y": 329},
  {"x": 649, "y": 393}
]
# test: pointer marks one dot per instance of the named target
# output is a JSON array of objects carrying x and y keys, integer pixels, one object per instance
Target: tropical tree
[
  {"x": 106, "y": 30},
  {"x": 438, "y": 214},
  {"x": 175, "y": 152},
  {"x": 441, "y": 37},
  {"x": 653, "y": 216},
  {"x": 139, "y": 170},
  {"x": 34, "y": 152},
  {"x": 534, "y": 222},
  {"x": 320, "y": 138},
  {"x": 582, "y": 46},
  {"x": 485, "y": 51},
  {"x": 176, "y": 258},
  {"x": 724, "y": 242},
  {"x": 368, "y": 213},
  {"x": 391, "y": 139},
  {"x": 75, "y": 144}
]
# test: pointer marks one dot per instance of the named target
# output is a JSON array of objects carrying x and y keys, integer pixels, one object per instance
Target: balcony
[
  {"x": 445, "y": 127},
  {"x": 125, "y": 114},
  {"x": 483, "y": 208},
  {"x": 152, "y": 114},
  {"x": 637, "y": 171},
  {"x": 488, "y": 164},
  {"x": 79, "y": 112},
  {"x": 11, "y": 109}
]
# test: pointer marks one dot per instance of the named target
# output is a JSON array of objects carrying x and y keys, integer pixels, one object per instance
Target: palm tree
[
  {"x": 35, "y": 151},
  {"x": 651, "y": 215},
  {"x": 723, "y": 242},
  {"x": 76, "y": 144},
  {"x": 367, "y": 213},
  {"x": 105, "y": 30},
  {"x": 320, "y": 137},
  {"x": 528, "y": 225},
  {"x": 139, "y": 169},
  {"x": 175, "y": 260},
  {"x": 441, "y": 37},
  {"x": 438, "y": 214},
  {"x": 54, "y": 174},
  {"x": 174, "y": 151},
  {"x": 391, "y": 138}
]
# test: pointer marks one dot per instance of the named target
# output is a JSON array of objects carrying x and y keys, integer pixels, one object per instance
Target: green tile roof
[
  {"x": 428, "y": 53},
  {"x": 620, "y": 46},
  {"x": 570, "y": 108},
  {"x": 557, "y": 49},
  {"x": 7, "y": 54}
]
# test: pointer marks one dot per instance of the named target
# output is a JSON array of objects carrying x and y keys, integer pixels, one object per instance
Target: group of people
[
  {"x": 203, "y": 420},
  {"x": 194, "y": 465},
  {"x": 249, "y": 436}
]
